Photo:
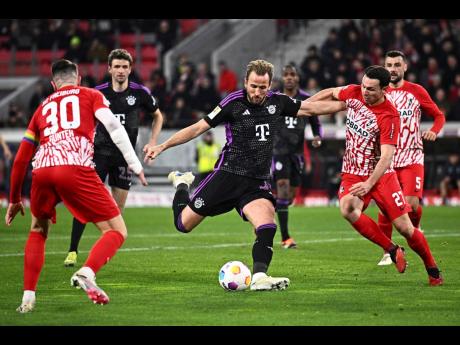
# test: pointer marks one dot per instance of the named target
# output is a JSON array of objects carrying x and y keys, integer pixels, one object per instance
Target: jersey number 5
[{"x": 51, "y": 110}]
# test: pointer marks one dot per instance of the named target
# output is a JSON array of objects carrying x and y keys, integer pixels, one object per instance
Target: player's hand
[
  {"x": 12, "y": 211},
  {"x": 152, "y": 152},
  {"x": 142, "y": 178},
  {"x": 360, "y": 189},
  {"x": 429, "y": 135},
  {"x": 316, "y": 141}
]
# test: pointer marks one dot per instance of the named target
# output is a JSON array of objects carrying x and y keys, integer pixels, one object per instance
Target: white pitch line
[{"x": 225, "y": 245}]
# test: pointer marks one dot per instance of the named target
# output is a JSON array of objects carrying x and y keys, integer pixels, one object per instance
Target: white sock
[
  {"x": 257, "y": 276},
  {"x": 87, "y": 272},
  {"x": 28, "y": 296}
]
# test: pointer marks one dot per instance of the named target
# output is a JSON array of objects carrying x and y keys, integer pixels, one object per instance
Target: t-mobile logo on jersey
[
  {"x": 262, "y": 131},
  {"x": 121, "y": 118},
  {"x": 291, "y": 122}
]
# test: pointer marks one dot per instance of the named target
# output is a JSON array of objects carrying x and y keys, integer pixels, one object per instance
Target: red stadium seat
[
  {"x": 23, "y": 70},
  {"x": 187, "y": 26},
  {"x": 24, "y": 56},
  {"x": 44, "y": 69},
  {"x": 129, "y": 40},
  {"x": 5, "y": 55},
  {"x": 45, "y": 55},
  {"x": 149, "y": 54},
  {"x": 145, "y": 69}
]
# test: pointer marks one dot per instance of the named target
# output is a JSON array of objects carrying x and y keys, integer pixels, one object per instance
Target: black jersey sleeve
[
  {"x": 289, "y": 106},
  {"x": 316, "y": 127},
  {"x": 149, "y": 102},
  {"x": 218, "y": 115}
]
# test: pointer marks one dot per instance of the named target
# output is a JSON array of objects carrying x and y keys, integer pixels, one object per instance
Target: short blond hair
[{"x": 260, "y": 67}]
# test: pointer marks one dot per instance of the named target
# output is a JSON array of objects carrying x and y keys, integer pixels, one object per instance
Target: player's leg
[
  {"x": 34, "y": 259},
  {"x": 43, "y": 200},
  {"x": 418, "y": 243},
  {"x": 185, "y": 219},
  {"x": 386, "y": 227},
  {"x": 88, "y": 199},
  {"x": 412, "y": 179},
  {"x": 102, "y": 170},
  {"x": 282, "y": 207},
  {"x": 351, "y": 208},
  {"x": 261, "y": 214}
]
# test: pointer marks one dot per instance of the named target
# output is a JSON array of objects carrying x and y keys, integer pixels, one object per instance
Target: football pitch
[{"x": 163, "y": 277}]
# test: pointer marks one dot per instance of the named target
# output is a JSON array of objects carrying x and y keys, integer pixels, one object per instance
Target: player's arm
[
  {"x": 430, "y": 108},
  {"x": 157, "y": 124},
  {"x": 121, "y": 140},
  {"x": 308, "y": 108},
  {"x": 184, "y": 135},
  {"x": 329, "y": 94},
  {"x": 316, "y": 129},
  {"x": 21, "y": 162},
  {"x": 362, "y": 188},
  {"x": 6, "y": 150}
]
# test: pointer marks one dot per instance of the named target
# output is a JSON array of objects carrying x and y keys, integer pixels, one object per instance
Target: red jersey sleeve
[
  {"x": 99, "y": 100},
  {"x": 389, "y": 123},
  {"x": 431, "y": 109},
  {"x": 23, "y": 156},
  {"x": 347, "y": 92}
]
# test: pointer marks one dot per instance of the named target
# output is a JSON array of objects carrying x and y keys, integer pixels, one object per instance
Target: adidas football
[{"x": 234, "y": 275}]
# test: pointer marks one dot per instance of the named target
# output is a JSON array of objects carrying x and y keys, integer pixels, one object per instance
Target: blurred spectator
[
  {"x": 228, "y": 81},
  {"x": 207, "y": 153},
  {"x": 75, "y": 53},
  {"x": 334, "y": 178},
  {"x": 451, "y": 177},
  {"x": 16, "y": 117},
  {"x": 206, "y": 96},
  {"x": 7, "y": 155},
  {"x": 181, "y": 114},
  {"x": 40, "y": 93},
  {"x": 97, "y": 51},
  {"x": 158, "y": 86},
  {"x": 166, "y": 37}
]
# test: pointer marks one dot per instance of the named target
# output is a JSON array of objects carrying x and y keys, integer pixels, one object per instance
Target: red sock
[
  {"x": 369, "y": 229},
  {"x": 416, "y": 216},
  {"x": 104, "y": 249},
  {"x": 385, "y": 225},
  {"x": 419, "y": 245},
  {"x": 34, "y": 259}
]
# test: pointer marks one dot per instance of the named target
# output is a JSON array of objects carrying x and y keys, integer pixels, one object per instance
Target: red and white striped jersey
[
  {"x": 368, "y": 127},
  {"x": 411, "y": 99},
  {"x": 64, "y": 125}
]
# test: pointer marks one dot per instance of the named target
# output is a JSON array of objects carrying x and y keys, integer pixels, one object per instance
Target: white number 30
[{"x": 51, "y": 109}]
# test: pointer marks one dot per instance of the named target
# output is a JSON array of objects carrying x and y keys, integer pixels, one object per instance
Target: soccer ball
[{"x": 234, "y": 275}]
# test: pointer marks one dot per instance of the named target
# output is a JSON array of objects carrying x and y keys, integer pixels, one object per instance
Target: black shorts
[
  {"x": 290, "y": 166},
  {"x": 221, "y": 191},
  {"x": 119, "y": 174}
]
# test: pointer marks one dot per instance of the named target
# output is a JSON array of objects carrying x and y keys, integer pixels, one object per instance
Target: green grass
[{"x": 163, "y": 277}]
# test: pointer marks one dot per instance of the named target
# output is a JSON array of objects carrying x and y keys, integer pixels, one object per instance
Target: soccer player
[
  {"x": 126, "y": 101},
  {"x": 240, "y": 177},
  {"x": 410, "y": 100},
  {"x": 372, "y": 130},
  {"x": 288, "y": 155},
  {"x": 63, "y": 170}
]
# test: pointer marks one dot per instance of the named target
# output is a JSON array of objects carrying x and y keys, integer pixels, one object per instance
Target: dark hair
[
  {"x": 290, "y": 66},
  {"x": 380, "y": 73},
  {"x": 64, "y": 67},
  {"x": 120, "y": 54},
  {"x": 396, "y": 53}
]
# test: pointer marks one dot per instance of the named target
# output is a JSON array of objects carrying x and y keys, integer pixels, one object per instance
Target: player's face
[
  {"x": 397, "y": 67},
  {"x": 371, "y": 90},
  {"x": 290, "y": 79},
  {"x": 257, "y": 87},
  {"x": 120, "y": 70}
]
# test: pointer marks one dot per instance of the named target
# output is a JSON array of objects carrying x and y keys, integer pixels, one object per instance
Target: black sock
[
  {"x": 77, "y": 232},
  {"x": 181, "y": 199},
  {"x": 262, "y": 250},
  {"x": 283, "y": 215}
]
